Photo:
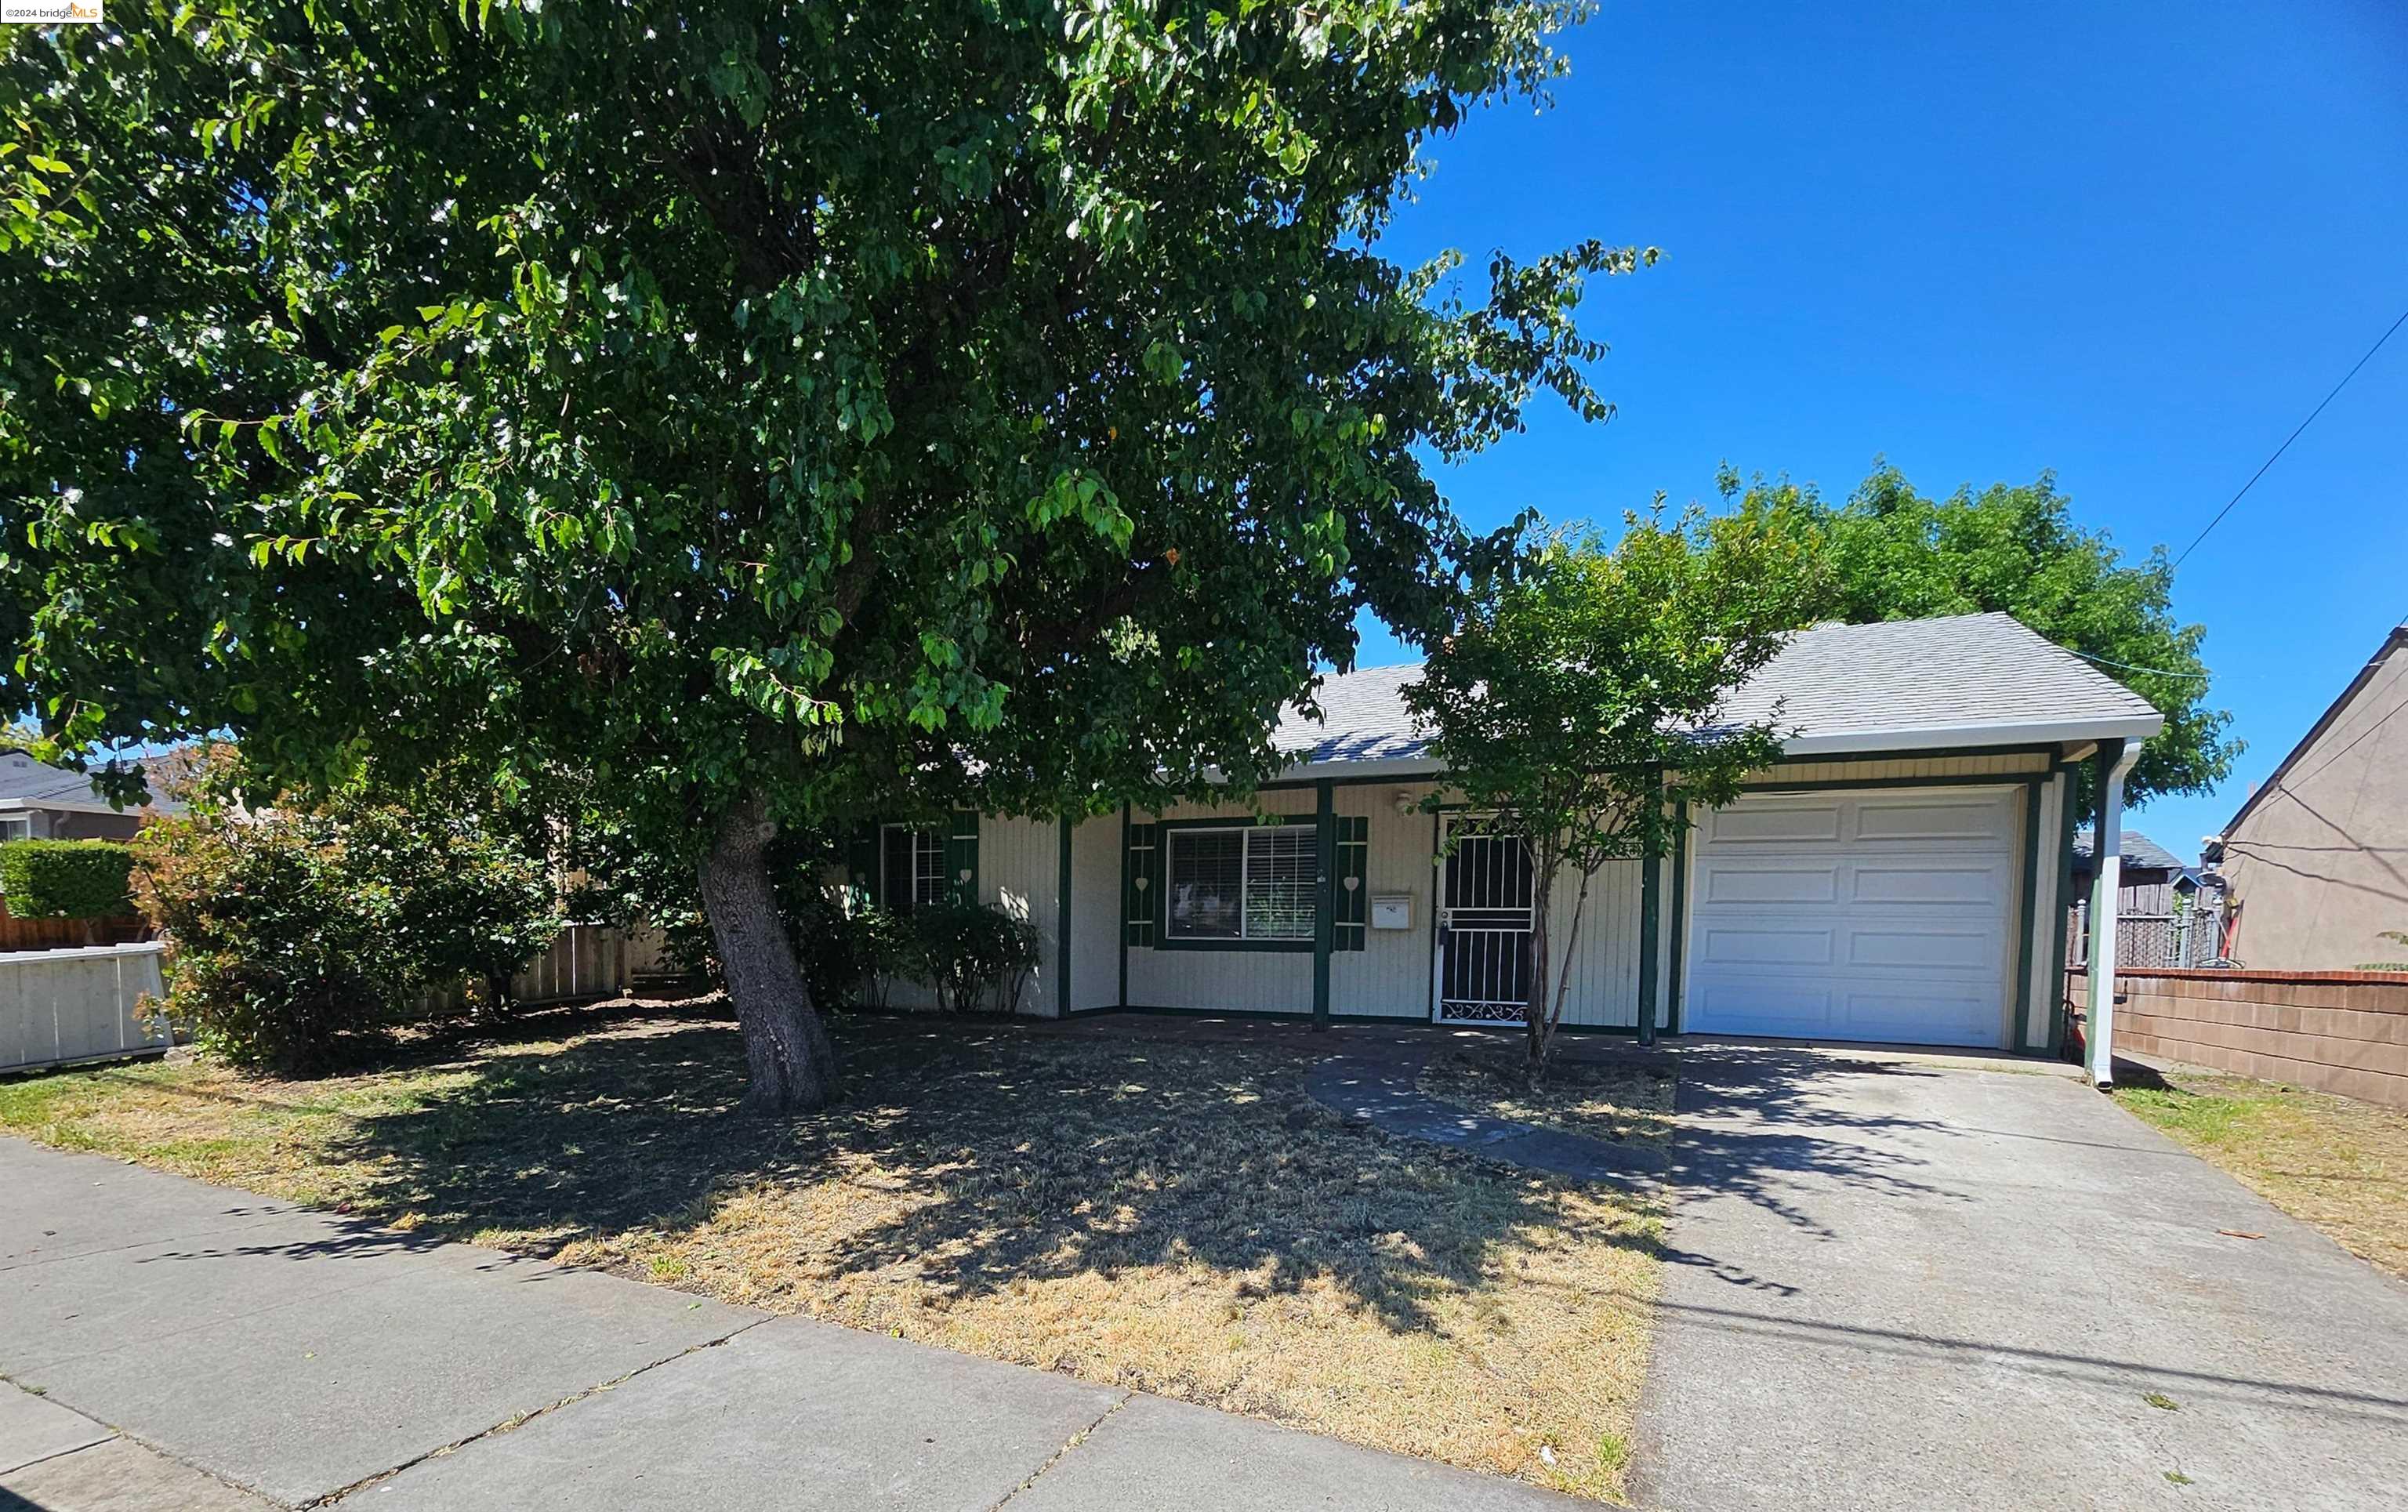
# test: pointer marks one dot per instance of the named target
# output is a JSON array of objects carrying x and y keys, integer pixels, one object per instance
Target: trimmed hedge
[{"x": 67, "y": 879}]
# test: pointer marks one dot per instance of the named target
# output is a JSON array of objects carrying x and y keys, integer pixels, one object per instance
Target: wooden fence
[
  {"x": 68, "y": 934},
  {"x": 2341, "y": 1031},
  {"x": 61, "y": 1006},
  {"x": 586, "y": 962}
]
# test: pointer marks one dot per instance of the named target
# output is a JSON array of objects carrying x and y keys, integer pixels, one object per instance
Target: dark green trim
[
  {"x": 1680, "y": 910},
  {"x": 1325, "y": 901},
  {"x": 2018, "y": 1036},
  {"x": 1651, "y": 921},
  {"x": 1438, "y": 889},
  {"x": 1062, "y": 925},
  {"x": 1938, "y": 753},
  {"x": 2066, "y": 819},
  {"x": 1122, "y": 932}
]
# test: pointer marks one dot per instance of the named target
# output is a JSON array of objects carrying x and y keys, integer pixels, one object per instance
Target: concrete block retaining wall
[{"x": 2341, "y": 1031}]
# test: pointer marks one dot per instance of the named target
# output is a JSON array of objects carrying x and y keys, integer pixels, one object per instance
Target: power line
[
  {"x": 2293, "y": 436},
  {"x": 2126, "y": 666}
]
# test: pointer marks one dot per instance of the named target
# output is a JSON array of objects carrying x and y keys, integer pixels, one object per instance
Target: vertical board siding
[
  {"x": 1390, "y": 977},
  {"x": 1019, "y": 871},
  {"x": 58, "y": 1006},
  {"x": 2001, "y": 764},
  {"x": 1094, "y": 914}
]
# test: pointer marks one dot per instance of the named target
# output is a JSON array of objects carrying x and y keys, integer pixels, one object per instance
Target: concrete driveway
[{"x": 1897, "y": 1285}]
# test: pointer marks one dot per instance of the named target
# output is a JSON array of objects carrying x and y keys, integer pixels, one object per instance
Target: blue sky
[{"x": 2133, "y": 244}]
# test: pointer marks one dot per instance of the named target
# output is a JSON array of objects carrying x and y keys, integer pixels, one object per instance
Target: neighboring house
[
  {"x": 38, "y": 801},
  {"x": 1898, "y": 877},
  {"x": 2151, "y": 874},
  {"x": 2315, "y": 862}
]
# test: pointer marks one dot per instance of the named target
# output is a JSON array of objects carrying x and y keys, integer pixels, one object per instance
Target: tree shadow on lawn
[{"x": 972, "y": 1157}]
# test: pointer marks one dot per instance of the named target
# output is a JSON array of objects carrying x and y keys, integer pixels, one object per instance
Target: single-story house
[
  {"x": 41, "y": 802},
  {"x": 1898, "y": 876},
  {"x": 2316, "y": 860}
]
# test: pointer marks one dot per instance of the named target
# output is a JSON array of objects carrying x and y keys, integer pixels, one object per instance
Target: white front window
[
  {"x": 1248, "y": 882},
  {"x": 15, "y": 827}
]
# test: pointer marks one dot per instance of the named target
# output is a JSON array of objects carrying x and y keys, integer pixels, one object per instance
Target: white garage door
[{"x": 1868, "y": 915}]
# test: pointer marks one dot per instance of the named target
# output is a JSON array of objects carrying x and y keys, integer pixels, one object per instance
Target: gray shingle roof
[
  {"x": 1962, "y": 679},
  {"x": 2138, "y": 850},
  {"x": 1907, "y": 677},
  {"x": 1365, "y": 715},
  {"x": 27, "y": 781}
]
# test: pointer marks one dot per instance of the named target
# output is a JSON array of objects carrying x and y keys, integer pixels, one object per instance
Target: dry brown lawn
[
  {"x": 1159, "y": 1214},
  {"x": 1620, "y": 1099},
  {"x": 2334, "y": 1163}
]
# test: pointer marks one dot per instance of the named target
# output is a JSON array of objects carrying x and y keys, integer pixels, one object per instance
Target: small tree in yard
[
  {"x": 1580, "y": 698},
  {"x": 781, "y": 414}
]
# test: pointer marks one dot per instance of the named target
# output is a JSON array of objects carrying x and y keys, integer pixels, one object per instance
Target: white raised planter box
[{"x": 61, "y": 1006}]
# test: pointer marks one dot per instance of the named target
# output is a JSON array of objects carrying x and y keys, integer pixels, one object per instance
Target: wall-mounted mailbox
[{"x": 1392, "y": 910}]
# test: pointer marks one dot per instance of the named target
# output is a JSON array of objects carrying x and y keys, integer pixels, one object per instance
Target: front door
[{"x": 1484, "y": 926}]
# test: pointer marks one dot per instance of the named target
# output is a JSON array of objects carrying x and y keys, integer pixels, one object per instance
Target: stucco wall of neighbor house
[
  {"x": 2341, "y": 1031},
  {"x": 70, "y": 826},
  {"x": 2319, "y": 865}
]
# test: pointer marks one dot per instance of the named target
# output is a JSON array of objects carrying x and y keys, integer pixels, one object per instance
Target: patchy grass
[
  {"x": 1174, "y": 1217},
  {"x": 1625, "y": 1101},
  {"x": 2331, "y": 1162}
]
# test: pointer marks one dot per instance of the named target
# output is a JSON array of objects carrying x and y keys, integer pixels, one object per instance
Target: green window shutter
[
  {"x": 861, "y": 860},
  {"x": 961, "y": 857},
  {"x": 1353, "y": 898},
  {"x": 1142, "y": 873}
]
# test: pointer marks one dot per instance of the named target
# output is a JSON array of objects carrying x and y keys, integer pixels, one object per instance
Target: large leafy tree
[
  {"x": 1896, "y": 554},
  {"x": 774, "y": 412},
  {"x": 1578, "y": 700}
]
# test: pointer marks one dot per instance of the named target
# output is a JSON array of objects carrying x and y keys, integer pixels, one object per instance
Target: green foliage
[
  {"x": 467, "y": 902},
  {"x": 67, "y": 879},
  {"x": 591, "y": 385},
  {"x": 299, "y": 922},
  {"x": 972, "y": 954},
  {"x": 1896, "y": 554},
  {"x": 277, "y": 951},
  {"x": 849, "y": 948},
  {"x": 1580, "y": 696}
]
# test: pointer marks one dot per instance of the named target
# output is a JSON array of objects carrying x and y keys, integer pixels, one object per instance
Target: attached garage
[{"x": 1888, "y": 914}]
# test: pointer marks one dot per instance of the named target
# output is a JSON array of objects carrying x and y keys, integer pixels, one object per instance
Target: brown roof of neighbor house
[{"x": 1969, "y": 679}]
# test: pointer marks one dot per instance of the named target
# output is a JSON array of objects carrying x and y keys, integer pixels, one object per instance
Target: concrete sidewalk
[{"x": 194, "y": 1346}]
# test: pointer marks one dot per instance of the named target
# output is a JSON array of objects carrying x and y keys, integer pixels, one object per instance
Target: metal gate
[{"x": 1484, "y": 926}]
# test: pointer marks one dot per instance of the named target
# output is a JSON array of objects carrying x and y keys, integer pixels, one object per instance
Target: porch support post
[
  {"x": 1650, "y": 915},
  {"x": 2114, "y": 759},
  {"x": 1324, "y": 893}
]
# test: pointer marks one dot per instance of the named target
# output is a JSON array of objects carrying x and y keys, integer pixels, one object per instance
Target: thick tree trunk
[{"x": 785, "y": 1045}]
